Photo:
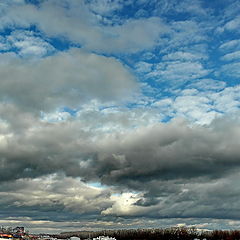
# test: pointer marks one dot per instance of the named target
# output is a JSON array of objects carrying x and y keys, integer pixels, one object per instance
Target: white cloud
[
  {"x": 118, "y": 119},
  {"x": 4, "y": 45},
  {"x": 230, "y": 45},
  {"x": 105, "y": 7},
  {"x": 195, "y": 108},
  {"x": 78, "y": 24},
  {"x": 185, "y": 33},
  {"x": 207, "y": 84},
  {"x": 231, "y": 69},
  {"x": 183, "y": 56},
  {"x": 233, "y": 24},
  {"x": 123, "y": 205},
  {"x": 228, "y": 100},
  {"x": 201, "y": 103},
  {"x": 231, "y": 56},
  {"x": 28, "y": 44},
  {"x": 191, "y": 7},
  {"x": 178, "y": 72},
  {"x": 143, "y": 67}
]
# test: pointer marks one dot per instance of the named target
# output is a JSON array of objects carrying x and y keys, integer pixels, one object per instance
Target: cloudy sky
[{"x": 119, "y": 114}]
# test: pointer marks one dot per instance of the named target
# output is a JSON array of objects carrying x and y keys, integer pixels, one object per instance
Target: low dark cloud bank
[{"x": 178, "y": 170}]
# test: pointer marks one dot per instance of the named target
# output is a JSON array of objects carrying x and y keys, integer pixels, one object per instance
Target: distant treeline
[{"x": 179, "y": 233}]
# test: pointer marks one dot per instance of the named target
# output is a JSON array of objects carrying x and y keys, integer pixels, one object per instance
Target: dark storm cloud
[
  {"x": 167, "y": 151},
  {"x": 178, "y": 170}
]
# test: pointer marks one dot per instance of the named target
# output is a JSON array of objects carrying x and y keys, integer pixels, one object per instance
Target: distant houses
[{"x": 95, "y": 238}]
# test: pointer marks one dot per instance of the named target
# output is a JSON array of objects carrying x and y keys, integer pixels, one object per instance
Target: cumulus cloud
[{"x": 65, "y": 79}]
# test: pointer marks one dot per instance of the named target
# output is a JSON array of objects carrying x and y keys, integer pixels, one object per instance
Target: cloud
[
  {"x": 231, "y": 56},
  {"x": 195, "y": 108},
  {"x": 146, "y": 171},
  {"x": 207, "y": 84},
  {"x": 231, "y": 69},
  {"x": 185, "y": 33},
  {"x": 201, "y": 102},
  {"x": 65, "y": 79},
  {"x": 122, "y": 158},
  {"x": 4, "y": 45},
  {"x": 178, "y": 72},
  {"x": 29, "y": 45},
  {"x": 174, "y": 7},
  {"x": 232, "y": 24},
  {"x": 183, "y": 56},
  {"x": 167, "y": 156},
  {"x": 105, "y": 7},
  {"x": 230, "y": 45},
  {"x": 54, "y": 193},
  {"x": 74, "y": 21}
]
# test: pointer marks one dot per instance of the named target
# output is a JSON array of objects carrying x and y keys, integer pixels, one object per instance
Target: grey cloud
[
  {"x": 127, "y": 158},
  {"x": 51, "y": 194},
  {"x": 163, "y": 151},
  {"x": 65, "y": 79},
  {"x": 171, "y": 151},
  {"x": 200, "y": 198}
]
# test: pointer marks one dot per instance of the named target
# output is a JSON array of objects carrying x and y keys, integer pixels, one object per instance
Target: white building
[
  {"x": 104, "y": 238},
  {"x": 74, "y": 238}
]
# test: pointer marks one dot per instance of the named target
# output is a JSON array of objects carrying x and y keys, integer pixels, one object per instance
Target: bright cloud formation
[{"x": 119, "y": 114}]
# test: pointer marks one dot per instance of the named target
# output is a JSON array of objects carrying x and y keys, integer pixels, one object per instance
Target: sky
[{"x": 119, "y": 114}]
